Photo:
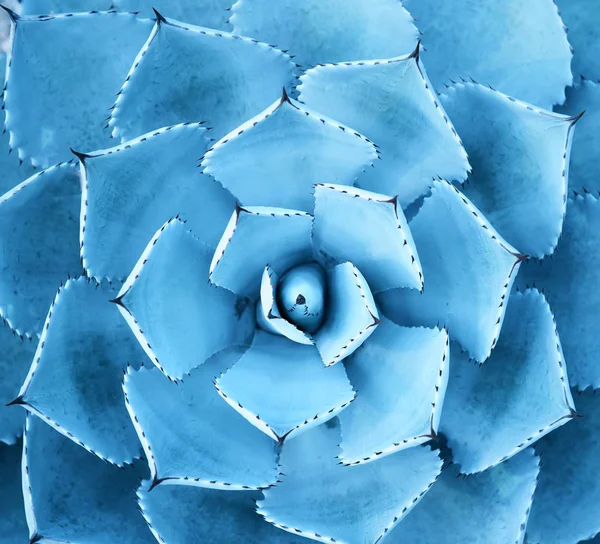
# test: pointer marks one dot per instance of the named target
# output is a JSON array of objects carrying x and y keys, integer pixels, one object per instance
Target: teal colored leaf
[
  {"x": 392, "y": 103},
  {"x": 520, "y": 158},
  {"x": 282, "y": 388},
  {"x": 57, "y": 97},
  {"x": 520, "y": 48},
  {"x": 328, "y": 31},
  {"x": 72, "y": 496},
  {"x": 566, "y": 279},
  {"x": 281, "y": 153},
  {"x": 522, "y": 392},
  {"x": 51, "y": 7},
  {"x": 381, "y": 420},
  {"x": 187, "y": 73},
  {"x": 566, "y": 505},
  {"x": 326, "y": 501},
  {"x": 39, "y": 246},
  {"x": 371, "y": 231},
  {"x": 13, "y": 525},
  {"x": 491, "y": 507},
  {"x": 192, "y": 437},
  {"x": 468, "y": 271},
  {"x": 177, "y": 316},
  {"x": 130, "y": 190},
  {"x": 351, "y": 314},
  {"x": 257, "y": 236},
  {"x": 74, "y": 383}
]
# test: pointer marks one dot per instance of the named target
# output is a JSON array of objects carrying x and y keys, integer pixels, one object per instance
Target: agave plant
[{"x": 308, "y": 290}]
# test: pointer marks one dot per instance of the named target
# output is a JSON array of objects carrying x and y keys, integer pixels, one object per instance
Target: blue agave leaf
[
  {"x": 566, "y": 505},
  {"x": 326, "y": 501},
  {"x": 585, "y": 156},
  {"x": 369, "y": 230},
  {"x": 582, "y": 19},
  {"x": 328, "y": 31},
  {"x": 39, "y": 244},
  {"x": 522, "y": 392},
  {"x": 15, "y": 359},
  {"x": 44, "y": 7},
  {"x": 209, "y": 13},
  {"x": 178, "y": 317},
  {"x": 520, "y": 157},
  {"x": 392, "y": 103},
  {"x": 180, "y": 514},
  {"x": 57, "y": 97},
  {"x": 130, "y": 190},
  {"x": 191, "y": 437},
  {"x": 188, "y": 73},
  {"x": 351, "y": 314},
  {"x": 283, "y": 152},
  {"x": 257, "y": 236},
  {"x": 282, "y": 387},
  {"x": 74, "y": 383},
  {"x": 381, "y": 421},
  {"x": 565, "y": 279},
  {"x": 491, "y": 507},
  {"x": 13, "y": 525},
  {"x": 72, "y": 496},
  {"x": 468, "y": 270},
  {"x": 518, "y": 47}
]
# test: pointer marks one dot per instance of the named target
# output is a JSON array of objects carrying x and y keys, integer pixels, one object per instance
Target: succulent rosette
[{"x": 265, "y": 279}]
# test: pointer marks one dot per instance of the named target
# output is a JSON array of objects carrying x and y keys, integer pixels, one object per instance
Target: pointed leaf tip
[
  {"x": 416, "y": 54},
  {"x": 285, "y": 97},
  {"x": 576, "y": 118},
  {"x": 13, "y": 16},
  {"x": 18, "y": 401},
  {"x": 159, "y": 18}
]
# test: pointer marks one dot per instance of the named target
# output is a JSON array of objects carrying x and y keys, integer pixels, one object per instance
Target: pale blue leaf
[
  {"x": 282, "y": 388},
  {"x": 192, "y": 437},
  {"x": 180, "y": 514},
  {"x": 487, "y": 508},
  {"x": 582, "y": 19},
  {"x": 187, "y": 73},
  {"x": 371, "y": 231},
  {"x": 392, "y": 103},
  {"x": 130, "y": 190},
  {"x": 178, "y": 317},
  {"x": 13, "y": 525},
  {"x": 58, "y": 97},
  {"x": 520, "y": 158},
  {"x": 585, "y": 155},
  {"x": 351, "y": 314},
  {"x": 44, "y": 7},
  {"x": 518, "y": 47},
  {"x": 39, "y": 246},
  {"x": 522, "y": 392},
  {"x": 281, "y": 153},
  {"x": 15, "y": 359},
  {"x": 568, "y": 280},
  {"x": 400, "y": 375},
  {"x": 72, "y": 496},
  {"x": 74, "y": 383},
  {"x": 326, "y": 501},
  {"x": 323, "y": 31},
  {"x": 468, "y": 270},
  {"x": 566, "y": 505},
  {"x": 257, "y": 236}
]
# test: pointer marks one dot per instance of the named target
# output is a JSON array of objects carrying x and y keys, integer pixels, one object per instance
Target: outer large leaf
[
  {"x": 13, "y": 525},
  {"x": 130, "y": 190},
  {"x": 178, "y": 317},
  {"x": 392, "y": 103},
  {"x": 281, "y": 153},
  {"x": 38, "y": 244},
  {"x": 518, "y": 47},
  {"x": 468, "y": 270},
  {"x": 45, "y": 7},
  {"x": 188, "y": 73},
  {"x": 72, "y": 496},
  {"x": 74, "y": 383},
  {"x": 57, "y": 97},
  {"x": 323, "y": 500},
  {"x": 520, "y": 157},
  {"x": 520, "y": 394},
  {"x": 318, "y": 31}
]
